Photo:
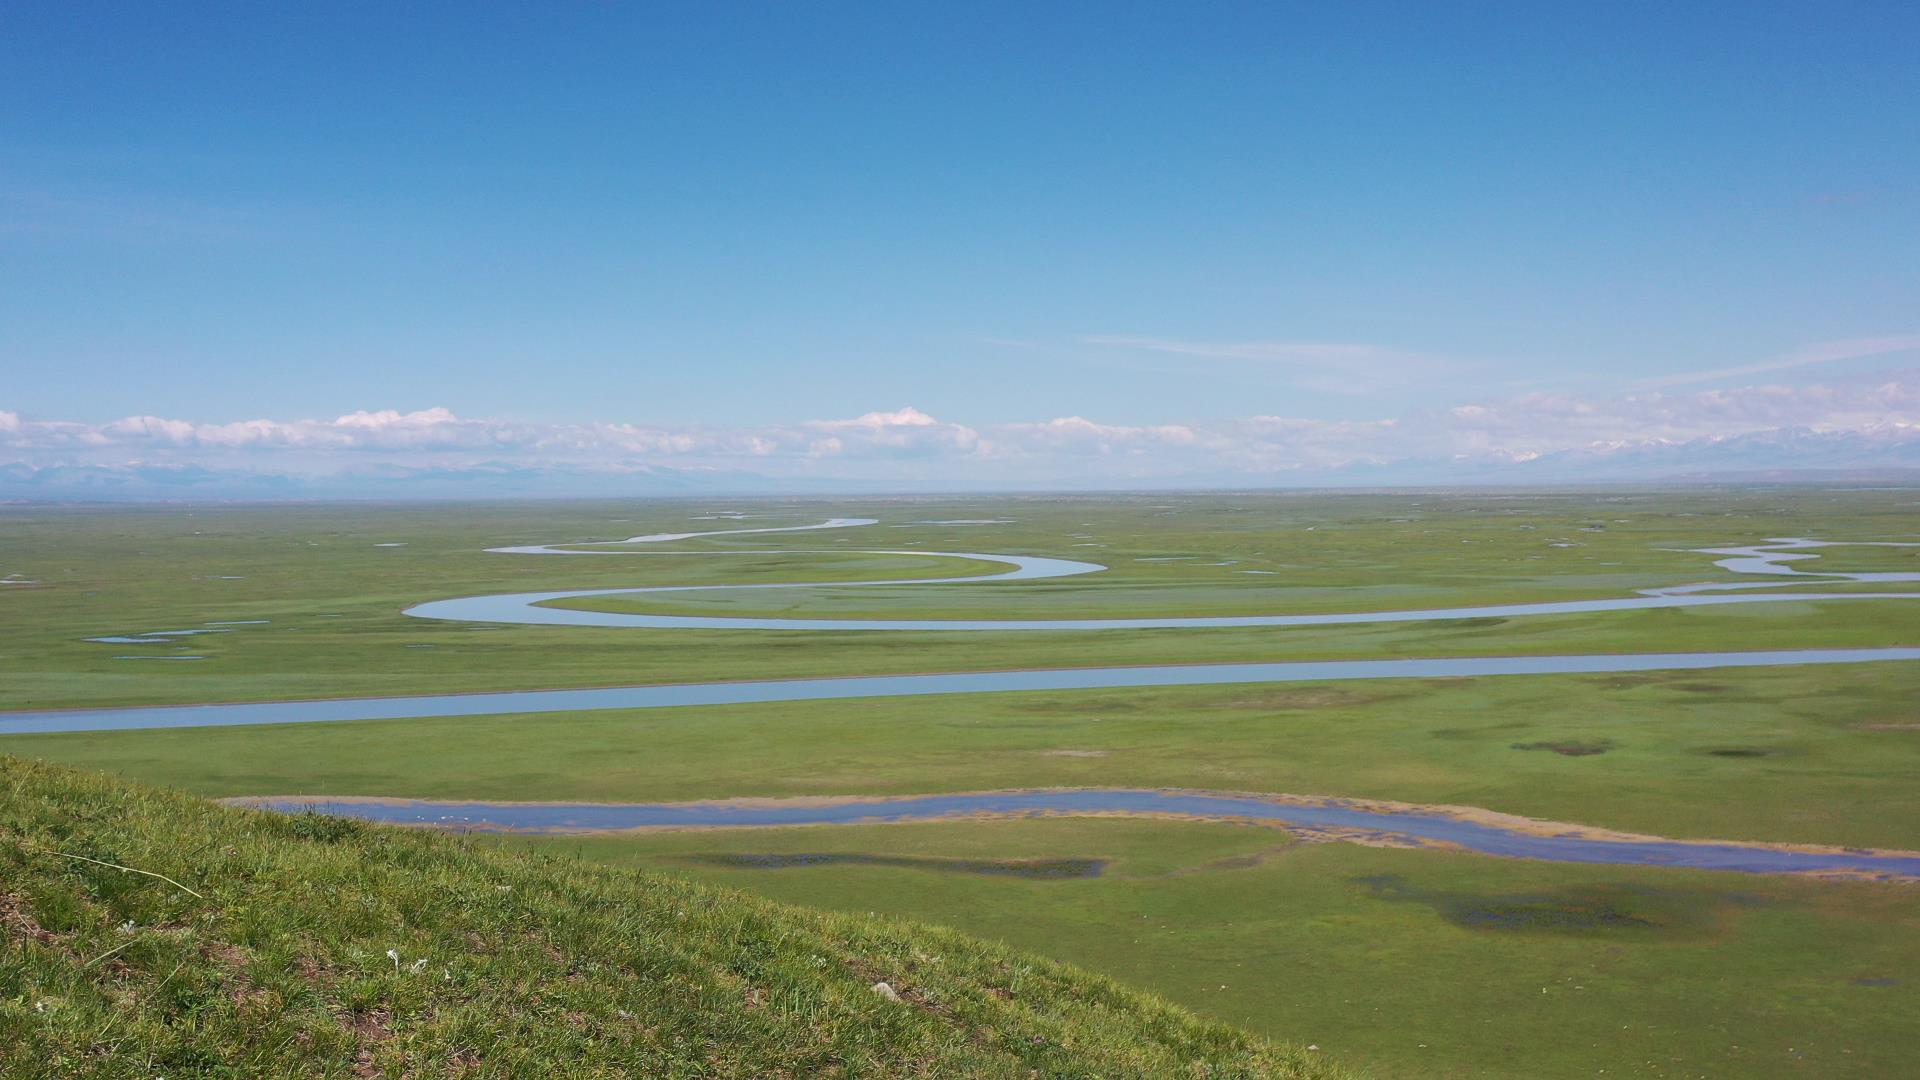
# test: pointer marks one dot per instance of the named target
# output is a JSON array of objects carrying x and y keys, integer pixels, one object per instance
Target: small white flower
[
  {"x": 419, "y": 965},
  {"x": 394, "y": 955}
]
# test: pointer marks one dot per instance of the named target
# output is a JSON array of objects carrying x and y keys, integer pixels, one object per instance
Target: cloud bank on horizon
[{"x": 1869, "y": 421}]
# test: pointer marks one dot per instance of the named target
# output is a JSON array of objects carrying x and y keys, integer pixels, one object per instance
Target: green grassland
[
  {"x": 332, "y": 597},
  {"x": 1368, "y": 953},
  {"x": 303, "y": 947},
  {"x": 1414, "y": 963},
  {"x": 1811, "y": 747}
]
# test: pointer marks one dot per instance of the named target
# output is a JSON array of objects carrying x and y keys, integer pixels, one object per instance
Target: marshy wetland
[{"x": 1270, "y": 610}]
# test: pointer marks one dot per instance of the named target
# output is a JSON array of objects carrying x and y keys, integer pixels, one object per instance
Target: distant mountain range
[
  {"x": 141, "y": 483},
  {"x": 1888, "y": 453},
  {"x": 1782, "y": 454},
  {"x": 1786, "y": 450}
]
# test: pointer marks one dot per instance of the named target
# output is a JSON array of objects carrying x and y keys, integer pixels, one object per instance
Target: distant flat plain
[{"x": 1411, "y": 962}]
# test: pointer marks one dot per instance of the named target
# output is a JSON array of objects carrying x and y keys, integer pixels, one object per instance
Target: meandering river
[
  {"x": 1769, "y": 558},
  {"x": 530, "y": 608},
  {"x": 1489, "y": 834}
]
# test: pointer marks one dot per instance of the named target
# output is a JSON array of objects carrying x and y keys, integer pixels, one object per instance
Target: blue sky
[{"x": 517, "y": 228}]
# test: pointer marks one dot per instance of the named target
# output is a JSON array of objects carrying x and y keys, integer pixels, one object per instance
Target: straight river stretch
[{"x": 979, "y": 682}]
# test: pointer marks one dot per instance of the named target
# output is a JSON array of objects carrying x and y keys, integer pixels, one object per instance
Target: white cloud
[
  {"x": 875, "y": 421},
  {"x": 904, "y": 432},
  {"x": 907, "y": 445},
  {"x": 1078, "y": 431}
]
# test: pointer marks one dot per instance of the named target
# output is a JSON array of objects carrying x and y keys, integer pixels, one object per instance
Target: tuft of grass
[{"x": 149, "y": 932}]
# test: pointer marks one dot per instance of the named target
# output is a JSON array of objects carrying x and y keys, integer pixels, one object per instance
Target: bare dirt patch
[
  {"x": 371, "y": 1028},
  {"x": 1376, "y": 838},
  {"x": 1084, "y": 707},
  {"x": 1308, "y": 698},
  {"x": 18, "y": 924},
  {"x": 1625, "y": 682}
]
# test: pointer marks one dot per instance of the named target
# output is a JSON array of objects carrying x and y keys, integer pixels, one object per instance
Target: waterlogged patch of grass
[
  {"x": 1569, "y": 747},
  {"x": 1635, "y": 911}
]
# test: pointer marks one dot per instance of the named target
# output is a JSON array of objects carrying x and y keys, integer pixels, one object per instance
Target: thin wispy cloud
[
  {"x": 1820, "y": 352},
  {"x": 1307, "y": 354},
  {"x": 1350, "y": 368}
]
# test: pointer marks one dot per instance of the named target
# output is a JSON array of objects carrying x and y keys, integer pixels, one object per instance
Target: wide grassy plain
[{"x": 1411, "y": 963}]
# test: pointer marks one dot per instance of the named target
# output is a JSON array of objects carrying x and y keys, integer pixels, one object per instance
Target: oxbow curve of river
[
  {"x": 531, "y": 608},
  {"x": 1770, "y": 558}
]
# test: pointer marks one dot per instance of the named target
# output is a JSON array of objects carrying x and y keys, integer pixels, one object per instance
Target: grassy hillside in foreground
[{"x": 320, "y": 947}]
